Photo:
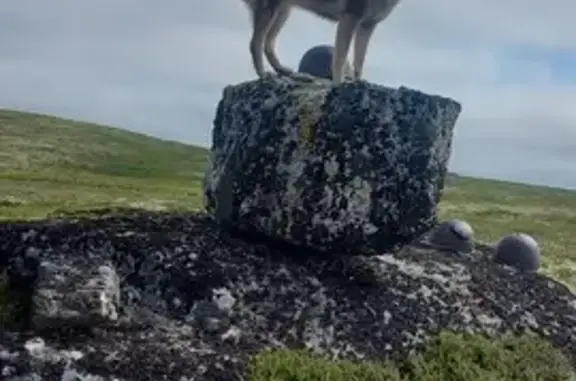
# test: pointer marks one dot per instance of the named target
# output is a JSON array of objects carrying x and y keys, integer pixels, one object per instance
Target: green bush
[{"x": 450, "y": 357}]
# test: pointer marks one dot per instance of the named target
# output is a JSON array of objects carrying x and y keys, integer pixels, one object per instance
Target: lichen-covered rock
[
  {"x": 357, "y": 168},
  {"x": 197, "y": 301},
  {"x": 75, "y": 296}
]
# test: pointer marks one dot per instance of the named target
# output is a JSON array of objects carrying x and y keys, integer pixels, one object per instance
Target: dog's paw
[{"x": 283, "y": 70}]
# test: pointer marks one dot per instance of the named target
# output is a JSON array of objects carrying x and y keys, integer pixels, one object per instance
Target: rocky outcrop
[
  {"x": 356, "y": 168},
  {"x": 175, "y": 297}
]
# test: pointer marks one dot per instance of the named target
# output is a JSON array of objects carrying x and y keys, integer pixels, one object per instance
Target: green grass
[{"x": 51, "y": 166}]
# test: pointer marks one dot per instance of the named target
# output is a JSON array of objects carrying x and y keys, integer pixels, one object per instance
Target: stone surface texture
[
  {"x": 453, "y": 234},
  {"x": 357, "y": 168},
  {"x": 68, "y": 295},
  {"x": 317, "y": 62},
  {"x": 196, "y": 300},
  {"x": 518, "y": 250}
]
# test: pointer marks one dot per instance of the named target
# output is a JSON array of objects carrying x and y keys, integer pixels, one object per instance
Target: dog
[{"x": 355, "y": 19}]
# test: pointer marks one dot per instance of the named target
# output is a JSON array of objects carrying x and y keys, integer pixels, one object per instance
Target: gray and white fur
[{"x": 355, "y": 18}]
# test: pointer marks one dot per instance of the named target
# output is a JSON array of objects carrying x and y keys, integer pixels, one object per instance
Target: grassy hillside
[{"x": 51, "y": 166}]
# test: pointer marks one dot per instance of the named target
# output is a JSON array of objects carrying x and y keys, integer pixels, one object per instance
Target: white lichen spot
[
  {"x": 490, "y": 323},
  {"x": 465, "y": 313},
  {"x": 314, "y": 281},
  {"x": 270, "y": 101},
  {"x": 252, "y": 201},
  {"x": 317, "y": 337},
  {"x": 413, "y": 339},
  {"x": 36, "y": 347},
  {"x": 387, "y": 316},
  {"x": 359, "y": 201},
  {"x": 530, "y": 320},
  {"x": 426, "y": 292},
  {"x": 365, "y": 151},
  {"x": 284, "y": 271},
  {"x": 457, "y": 282},
  {"x": 350, "y": 350},
  {"x": 73, "y": 375},
  {"x": 411, "y": 296},
  {"x": 412, "y": 269},
  {"x": 328, "y": 198},
  {"x": 233, "y": 333},
  {"x": 125, "y": 234},
  {"x": 291, "y": 199},
  {"x": 223, "y": 299},
  {"x": 331, "y": 167},
  {"x": 357, "y": 194}
]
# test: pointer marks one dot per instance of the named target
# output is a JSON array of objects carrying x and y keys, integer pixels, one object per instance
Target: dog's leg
[
  {"x": 364, "y": 35},
  {"x": 270, "y": 44},
  {"x": 263, "y": 13},
  {"x": 344, "y": 32},
  {"x": 361, "y": 41}
]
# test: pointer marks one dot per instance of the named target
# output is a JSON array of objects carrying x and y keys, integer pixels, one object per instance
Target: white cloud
[{"x": 160, "y": 69}]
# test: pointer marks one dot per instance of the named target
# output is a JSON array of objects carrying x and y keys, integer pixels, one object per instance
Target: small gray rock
[
  {"x": 68, "y": 294},
  {"x": 518, "y": 250},
  {"x": 317, "y": 61},
  {"x": 454, "y": 235}
]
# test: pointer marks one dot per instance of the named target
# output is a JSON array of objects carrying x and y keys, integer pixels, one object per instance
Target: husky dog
[{"x": 355, "y": 18}]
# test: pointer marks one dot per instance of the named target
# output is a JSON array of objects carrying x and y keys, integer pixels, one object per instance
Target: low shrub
[{"x": 448, "y": 357}]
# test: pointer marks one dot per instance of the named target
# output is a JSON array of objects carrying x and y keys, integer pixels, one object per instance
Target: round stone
[
  {"x": 317, "y": 61},
  {"x": 518, "y": 250},
  {"x": 454, "y": 235}
]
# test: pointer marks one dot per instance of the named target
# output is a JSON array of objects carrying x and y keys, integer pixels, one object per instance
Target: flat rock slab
[
  {"x": 196, "y": 302},
  {"x": 69, "y": 295},
  {"x": 356, "y": 168}
]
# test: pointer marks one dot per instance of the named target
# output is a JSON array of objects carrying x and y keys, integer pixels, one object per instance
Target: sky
[{"x": 159, "y": 67}]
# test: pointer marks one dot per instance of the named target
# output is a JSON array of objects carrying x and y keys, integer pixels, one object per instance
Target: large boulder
[
  {"x": 357, "y": 168},
  {"x": 195, "y": 302}
]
